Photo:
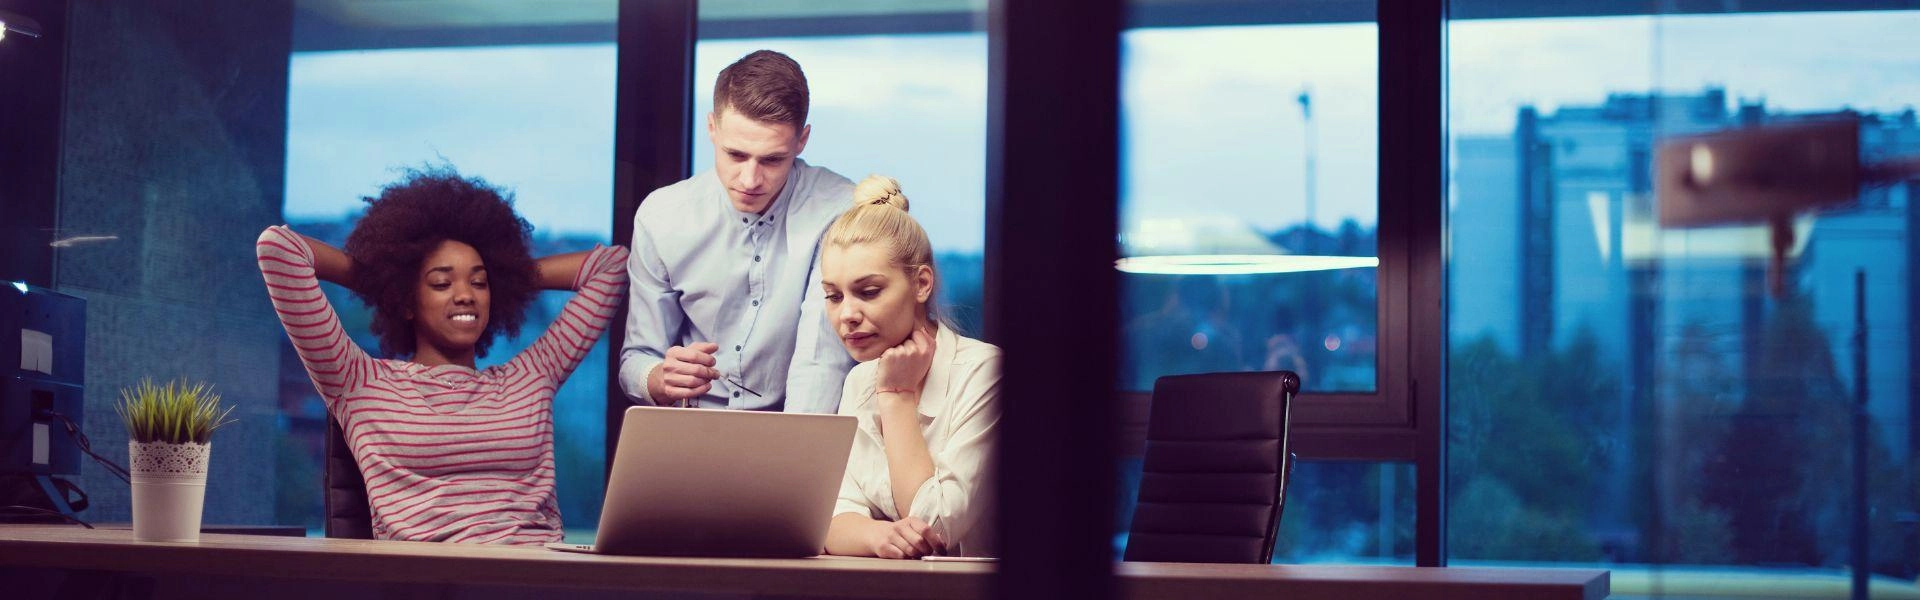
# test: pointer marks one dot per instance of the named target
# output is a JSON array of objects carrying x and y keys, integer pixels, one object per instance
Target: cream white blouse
[{"x": 959, "y": 408}]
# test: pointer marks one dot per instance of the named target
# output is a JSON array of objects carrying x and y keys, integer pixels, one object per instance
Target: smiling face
[
  {"x": 451, "y": 303},
  {"x": 874, "y": 304},
  {"x": 753, "y": 157}
]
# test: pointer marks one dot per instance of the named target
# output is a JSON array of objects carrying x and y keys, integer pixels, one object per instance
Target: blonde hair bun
[{"x": 879, "y": 189}]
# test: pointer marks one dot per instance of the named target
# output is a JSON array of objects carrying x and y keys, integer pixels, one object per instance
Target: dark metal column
[
  {"x": 1051, "y": 289},
  {"x": 1413, "y": 211},
  {"x": 652, "y": 137},
  {"x": 1858, "y": 548}
]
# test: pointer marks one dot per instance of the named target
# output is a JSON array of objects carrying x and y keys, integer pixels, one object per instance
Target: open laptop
[{"x": 708, "y": 482}]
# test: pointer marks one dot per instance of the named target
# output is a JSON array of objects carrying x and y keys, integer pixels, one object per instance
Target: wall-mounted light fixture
[{"x": 12, "y": 23}]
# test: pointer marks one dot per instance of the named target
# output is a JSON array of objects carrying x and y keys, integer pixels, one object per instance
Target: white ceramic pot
[{"x": 169, "y": 489}]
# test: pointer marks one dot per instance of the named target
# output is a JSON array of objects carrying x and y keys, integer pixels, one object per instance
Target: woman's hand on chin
[
  {"x": 904, "y": 367},
  {"x": 905, "y": 538}
]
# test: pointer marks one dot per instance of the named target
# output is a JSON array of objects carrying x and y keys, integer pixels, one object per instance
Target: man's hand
[
  {"x": 905, "y": 538},
  {"x": 686, "y": 373}
]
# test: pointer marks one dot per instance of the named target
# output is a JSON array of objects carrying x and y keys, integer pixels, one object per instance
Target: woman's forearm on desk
[
  {"x": 847, "y": 535},
  {"x": 853, "y": 534}
]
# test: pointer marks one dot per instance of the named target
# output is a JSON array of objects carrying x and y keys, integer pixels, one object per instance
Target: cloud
[
  {"x": 1796, "y": 62},
  {"x": 536, "y": 119},
  {"x": 1213, "y": 126},
  {"x": 866, "y": 73},
  {"x": 1211, "y": 122}
]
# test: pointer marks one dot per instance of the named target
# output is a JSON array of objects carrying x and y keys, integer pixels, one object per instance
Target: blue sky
[
  {"x": 1795, "y": 62},
  {"x": 910, "y": 107},
  {"x": 538, "y": 120},
  {"x": 1212, "y": 126}
]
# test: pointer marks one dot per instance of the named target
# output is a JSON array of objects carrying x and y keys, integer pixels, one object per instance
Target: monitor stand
[
  {"x": 44, "y": 492},
  {"x": 53, "y": 489}
]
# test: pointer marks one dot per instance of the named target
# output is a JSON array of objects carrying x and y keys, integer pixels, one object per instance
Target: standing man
[{"x": 725, "y": 300}]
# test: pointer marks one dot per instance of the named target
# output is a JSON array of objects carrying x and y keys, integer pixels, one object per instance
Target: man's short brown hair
[{"x": 765, "y": 86}]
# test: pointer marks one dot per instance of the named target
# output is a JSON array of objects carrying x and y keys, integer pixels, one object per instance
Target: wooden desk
[{"x": 67, "y": 547}]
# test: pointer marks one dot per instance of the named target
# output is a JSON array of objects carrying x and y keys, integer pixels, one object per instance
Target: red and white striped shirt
[{"x": 449, "y": 453}]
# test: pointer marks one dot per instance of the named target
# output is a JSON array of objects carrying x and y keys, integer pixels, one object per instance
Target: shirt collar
[
  {"x": 777, "y": 211},
  {"x": 933, "y": 396}
]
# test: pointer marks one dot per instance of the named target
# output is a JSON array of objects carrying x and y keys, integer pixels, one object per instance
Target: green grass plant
[{"x": 174, "y": 413}]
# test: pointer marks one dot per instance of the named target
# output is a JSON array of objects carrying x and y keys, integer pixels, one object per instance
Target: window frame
[
  {"x": 1382, "y": 425},
  {"x": 1403, "y": 420}
]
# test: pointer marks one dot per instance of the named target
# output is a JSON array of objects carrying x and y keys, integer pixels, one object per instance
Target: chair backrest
[
  {"x": 348, "y": 515},
  {"x": 1214, "y": 477}
]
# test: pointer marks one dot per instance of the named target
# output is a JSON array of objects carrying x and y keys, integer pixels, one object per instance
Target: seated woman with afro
[{"x": 449, "y": 452}]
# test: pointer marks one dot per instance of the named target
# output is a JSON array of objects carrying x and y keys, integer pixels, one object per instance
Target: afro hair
[{"x": 412, "y": 217}]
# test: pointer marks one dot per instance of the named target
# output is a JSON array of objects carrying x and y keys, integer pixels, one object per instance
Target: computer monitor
[{"x": 42, "y": 356}]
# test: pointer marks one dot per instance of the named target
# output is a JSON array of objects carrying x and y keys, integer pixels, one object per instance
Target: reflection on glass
[
  {"x": 1347, "y": 512},
  {"x": 1249, "y": 238},
  {"x": 1249, "y": 215},
  {"x": 169, "y": 162},
  {"x": 1335, "y": 512},
  {"x": 1625, "y": 393}
]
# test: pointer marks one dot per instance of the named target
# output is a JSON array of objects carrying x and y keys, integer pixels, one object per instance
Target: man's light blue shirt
[{"x": 700, "y": 271}]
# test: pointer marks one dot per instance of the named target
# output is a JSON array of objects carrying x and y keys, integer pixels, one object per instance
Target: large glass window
[
  {"x": 171, "y": 162},
  {"x": 1348, "y": 513},
  {"x": 184, "y": 136},
  {"x": 1249, "y": 236},
  {"x": 912, "y": 106},
  {"x": 534, "y": 119},
  {"x": 1632, "y": 394}
]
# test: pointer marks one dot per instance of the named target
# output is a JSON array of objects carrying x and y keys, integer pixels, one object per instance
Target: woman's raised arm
[
  {"x": 329, "y": 263},
  {"x": 560, "y": 271}
]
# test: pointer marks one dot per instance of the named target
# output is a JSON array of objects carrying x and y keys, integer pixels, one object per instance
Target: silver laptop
[{"x": 709, "y": 482}]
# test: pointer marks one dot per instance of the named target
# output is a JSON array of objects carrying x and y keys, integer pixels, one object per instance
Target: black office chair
[
  {"x": 348, "y": 515},
  {"x": 1214, "y": 478}
]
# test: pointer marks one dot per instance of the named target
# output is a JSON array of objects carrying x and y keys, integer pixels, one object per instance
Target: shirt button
[
  {"x": 736, "y": 394},
  {"x": 756, "y": 303},
  {"x": 743, "y": 219},
  {"x": 756, "y": 259},
  {"x": 736, "y": 348}
]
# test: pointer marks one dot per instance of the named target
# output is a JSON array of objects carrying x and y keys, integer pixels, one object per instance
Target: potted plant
[{"x": 169, "y": 442}]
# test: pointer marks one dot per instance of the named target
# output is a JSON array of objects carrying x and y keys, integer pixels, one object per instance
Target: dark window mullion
[
  {"x": 652, "y": 139},
  {"x": 1052, "y": 300},
  {"x": 1412, "y": 229}
]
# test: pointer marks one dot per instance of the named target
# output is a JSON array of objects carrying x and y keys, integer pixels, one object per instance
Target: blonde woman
[{"x": 917, "y": 481}]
